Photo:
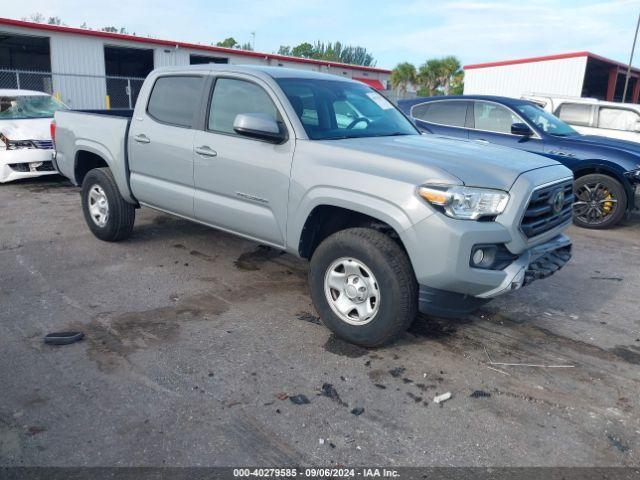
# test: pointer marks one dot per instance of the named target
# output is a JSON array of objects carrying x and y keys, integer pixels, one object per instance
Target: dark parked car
[{"x": 606, "y": 170}]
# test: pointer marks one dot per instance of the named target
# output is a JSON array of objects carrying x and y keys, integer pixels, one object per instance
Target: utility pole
[
  {"x": 253, "y": 37},
  {"x": 626, "y": 80}
]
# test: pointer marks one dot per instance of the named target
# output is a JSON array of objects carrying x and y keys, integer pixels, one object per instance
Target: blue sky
[{"x": 394, "y": 31}]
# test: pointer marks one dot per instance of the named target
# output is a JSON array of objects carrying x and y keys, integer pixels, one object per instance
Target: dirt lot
[{"x": 194, "y": 338}]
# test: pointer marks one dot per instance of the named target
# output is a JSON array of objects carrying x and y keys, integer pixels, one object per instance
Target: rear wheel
[
  {"x": 109, "y": 216},
  {"x": 600, "y": 201},
  {"x": 363, "y": 286}
]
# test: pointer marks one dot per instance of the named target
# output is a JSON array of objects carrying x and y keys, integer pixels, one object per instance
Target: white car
[
  {"x": 26, "y": 148},
  {"x": 591, "y": 116}
]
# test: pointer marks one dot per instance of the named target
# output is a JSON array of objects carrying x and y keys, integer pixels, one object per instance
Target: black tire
[
  {"x": 121, "y": 214},
  {"x": 396, "y": 281},
  {"x": 598, "y": 188}
]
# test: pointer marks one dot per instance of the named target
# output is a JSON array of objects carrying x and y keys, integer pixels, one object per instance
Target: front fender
[{"x": 400, "y": 218}]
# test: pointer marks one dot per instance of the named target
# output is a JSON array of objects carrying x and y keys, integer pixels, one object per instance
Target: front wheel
[
  {"x": 363, "y": 286},
  {"x": 109, "y": 216},
  {"x": 600, "y": 201}
]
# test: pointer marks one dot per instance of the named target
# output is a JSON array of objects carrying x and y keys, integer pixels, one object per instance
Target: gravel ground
[{"x": 195, "y": 339}]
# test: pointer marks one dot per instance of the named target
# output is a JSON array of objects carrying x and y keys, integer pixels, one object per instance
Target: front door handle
[
  {"x": 142, "y": 138},
  {"x": 205, "y": 151}
]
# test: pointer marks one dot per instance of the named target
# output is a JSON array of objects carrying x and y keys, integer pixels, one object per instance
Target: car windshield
[
  {"x": 546, "y": 122},
  {"x": 28, "y": 106},
  {"x": 334, "y": 109}
]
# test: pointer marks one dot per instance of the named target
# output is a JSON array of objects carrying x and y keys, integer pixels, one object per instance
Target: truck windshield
[
  {"x": 334, "y": 109},
  {"x": 546, "y": 122},
  {"x": 28, "y": 106}
]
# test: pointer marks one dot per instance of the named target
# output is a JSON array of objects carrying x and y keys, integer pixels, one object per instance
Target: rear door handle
[
  {"x": 142, "y": 138},
  {"x": 205, "y": 151}
]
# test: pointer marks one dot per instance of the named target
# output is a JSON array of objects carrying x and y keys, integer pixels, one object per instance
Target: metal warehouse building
[
  {"x": 579, "y": 74},
  {"x": 93, "y": 69}
]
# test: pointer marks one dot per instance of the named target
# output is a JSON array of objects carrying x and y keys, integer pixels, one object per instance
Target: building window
[{"x": 202, "y": 59}]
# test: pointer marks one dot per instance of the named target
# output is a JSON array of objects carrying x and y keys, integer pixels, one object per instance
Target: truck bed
[{"x": 102, "y": 133}]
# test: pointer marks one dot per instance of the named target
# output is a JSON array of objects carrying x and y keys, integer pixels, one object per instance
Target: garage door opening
[
  {"x": 25, "y": 53},
  {"x": 133, "y": 63},
  {"x": 202, "y": 59}
]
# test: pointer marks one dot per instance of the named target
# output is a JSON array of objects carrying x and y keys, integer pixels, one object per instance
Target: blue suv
[{"x": 606, "y": 170}]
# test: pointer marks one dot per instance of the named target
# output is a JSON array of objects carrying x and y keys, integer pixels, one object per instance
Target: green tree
[
  {"x": 54, "y": 21},
  {"x": 228, "y": 43},
  {"x": 304, "y": 50},
  {"x": 36, "y": 17},
  {"x": 246, "y": 46},
  {"x": 438, "y": 75},
  {"x": 330, "y": 51},
  {"x": 429, "y": 76},
  {"x": 403, "y": 76},
  {"x": 449, "y": 69}
]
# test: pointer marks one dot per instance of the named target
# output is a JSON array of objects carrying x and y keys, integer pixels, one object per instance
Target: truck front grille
[{"x": 549, "y": 206}]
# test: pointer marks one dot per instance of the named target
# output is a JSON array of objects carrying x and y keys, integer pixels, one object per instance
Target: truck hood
[
  {"x": 475, "y": 164},
  {"x": 26, "y": 129}
]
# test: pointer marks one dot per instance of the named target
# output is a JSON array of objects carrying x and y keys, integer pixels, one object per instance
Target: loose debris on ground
[{"x": 299, "y": 399}]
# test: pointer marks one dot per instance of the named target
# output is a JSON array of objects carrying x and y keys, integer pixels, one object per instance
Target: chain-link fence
[{"x": 77, "y": 90}]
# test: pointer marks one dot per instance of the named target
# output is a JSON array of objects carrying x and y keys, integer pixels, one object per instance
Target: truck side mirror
[
  {"x": 259, "y": 126},
  {"x": 521, "y": 129}
]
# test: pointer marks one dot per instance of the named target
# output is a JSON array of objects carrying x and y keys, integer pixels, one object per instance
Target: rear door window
[
  {"x": 449, "y": 113},
  {"x": 492, "y": 117},
  {"x": 175, "y": 100},
  {"x": 618, "y": 119},
  {"x": 575, "y": 114}
]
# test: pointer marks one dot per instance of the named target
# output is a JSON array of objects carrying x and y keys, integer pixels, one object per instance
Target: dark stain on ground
[
  {"x": 376, "y": 375},
  {"x": 613, "y": 279},
  {"x": 396, "y": 372},
  {"x": 432, "y": 328},
  {"x": 308, "y": 317},
  {"x": 617, "y": 444},
  {"x": 253, "y": 260},
  {"x": 35, "y": 430},
  {"x": 424, "y": 388},
  {"x": 629, "y": 354},
  {"x": 414, "y": 397},
  {"x": 340, "y": 347},
  {"x": 201, "y": 255},
  {"x": 112, "y": 339},
  {"x": 179, "y": 246}
]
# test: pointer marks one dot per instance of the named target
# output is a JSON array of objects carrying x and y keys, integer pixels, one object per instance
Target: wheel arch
[{"x": 326, "y": 219}]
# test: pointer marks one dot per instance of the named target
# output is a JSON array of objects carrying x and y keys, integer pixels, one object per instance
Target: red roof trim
[
  {"x": 528, "y": 60},
  {"x": 377, "y": 84},
  {"x": 194, "y": 46}
]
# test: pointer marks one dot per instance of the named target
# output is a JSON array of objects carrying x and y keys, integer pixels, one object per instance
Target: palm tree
[
  {"x": 430, "y": 75},
  {"x": 402, "y": 76},
  {"x": 450, "y": 68}
]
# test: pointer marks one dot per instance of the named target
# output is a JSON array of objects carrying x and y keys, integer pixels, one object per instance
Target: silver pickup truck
[{"x": 325, "y": 168}]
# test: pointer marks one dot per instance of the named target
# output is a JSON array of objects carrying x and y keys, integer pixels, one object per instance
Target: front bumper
[
  {"x": 539, "y": 262},
  {"x": 18, "y": 164}
]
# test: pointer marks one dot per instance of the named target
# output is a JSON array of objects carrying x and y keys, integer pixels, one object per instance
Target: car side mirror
[
  {"x": 259, "y": 126},
  {"x": 521, "y": 129}
]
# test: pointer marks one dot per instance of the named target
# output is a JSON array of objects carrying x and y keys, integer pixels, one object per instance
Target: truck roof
[{"x": 273, "y": 72}]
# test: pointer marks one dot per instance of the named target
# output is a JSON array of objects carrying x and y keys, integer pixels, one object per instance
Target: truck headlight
[{"x": 465, "y": 203}]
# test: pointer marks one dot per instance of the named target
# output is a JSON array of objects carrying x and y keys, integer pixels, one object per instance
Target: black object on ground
[
  {"x": 63, "y": 338},
  {"x": 480, "y": 394},
  {"x": 299, "y": 399},
  {"x": 396, "y": 372},
  {"x": 358, "y": 411},
  {"x": 330, "y": 392}
]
